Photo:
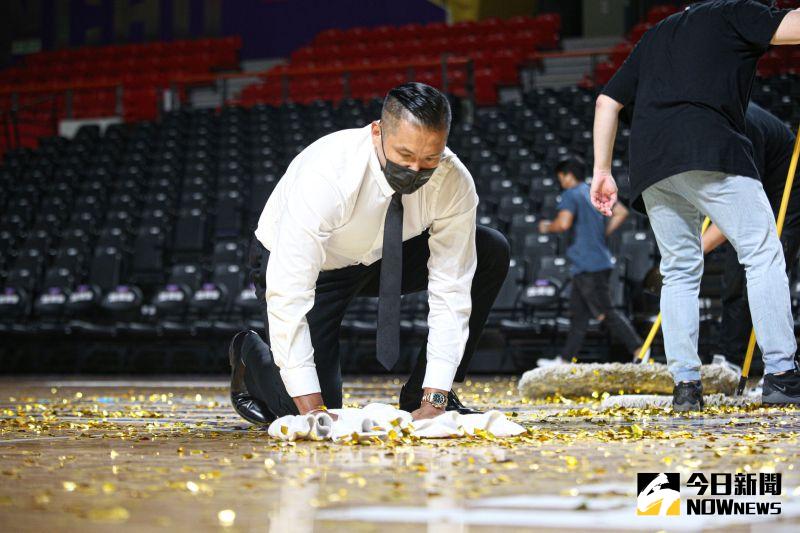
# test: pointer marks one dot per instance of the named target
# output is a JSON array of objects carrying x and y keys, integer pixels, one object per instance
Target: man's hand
[
  {"x": 316, "y": 411},
  {"x": 426, "y": 410},
  {"x": 310, "y": 404},
  {"x": 603, "y": 192},
  {"x": 544, "y": 226}
]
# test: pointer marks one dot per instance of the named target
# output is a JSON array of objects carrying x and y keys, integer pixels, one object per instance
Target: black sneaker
[
  {"x": 781, "y": 389},
  {"x": 687, "y": 396}
]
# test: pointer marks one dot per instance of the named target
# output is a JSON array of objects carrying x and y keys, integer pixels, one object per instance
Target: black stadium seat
[
  {"x": 637, "y": 248},
  {"x": 141, "y": 229},
  {"x": 191, "y": 233}
]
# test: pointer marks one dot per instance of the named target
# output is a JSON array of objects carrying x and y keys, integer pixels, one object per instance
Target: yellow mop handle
[
  {"x": 657, "y": 324},
  {"x": 787, "y": 191}
]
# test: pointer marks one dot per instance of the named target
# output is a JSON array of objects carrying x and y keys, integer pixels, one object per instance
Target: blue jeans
[{"x": 739, "y": 206}]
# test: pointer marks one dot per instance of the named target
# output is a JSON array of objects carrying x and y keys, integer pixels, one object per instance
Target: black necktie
[{"x": 388, "y": 342}]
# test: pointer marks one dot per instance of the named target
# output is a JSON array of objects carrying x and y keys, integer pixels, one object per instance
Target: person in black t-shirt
[
  {"x": 690, "y": 78},
  {"x": 772, "y": 151}
]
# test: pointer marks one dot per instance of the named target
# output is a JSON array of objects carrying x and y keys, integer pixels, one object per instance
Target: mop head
[
  {"x": 650, "y": 400},
  {"x": 581, "y": 380}
]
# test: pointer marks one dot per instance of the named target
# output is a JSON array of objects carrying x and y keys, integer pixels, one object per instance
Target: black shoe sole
[
  {"x": 234, "y": 349},
  {"x": 687, "y": 407},
  {"x": 779, "y": 398}
]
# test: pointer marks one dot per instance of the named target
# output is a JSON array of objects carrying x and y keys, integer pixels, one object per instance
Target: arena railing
[
  {"x": 595, "y": 55},
  {"x": 64, "y": 93},
  {"x": 13, "y": 118}
]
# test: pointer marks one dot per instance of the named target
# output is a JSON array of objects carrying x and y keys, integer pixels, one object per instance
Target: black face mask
[{"x": 403, "y": 179}]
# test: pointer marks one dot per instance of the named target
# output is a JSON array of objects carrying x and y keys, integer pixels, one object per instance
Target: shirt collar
[{"x": 377, "y": 173}]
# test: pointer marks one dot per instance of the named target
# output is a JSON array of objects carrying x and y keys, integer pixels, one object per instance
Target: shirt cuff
[
  {"x": 439, "y": 375},
  {"x": 301, "y": 381}
]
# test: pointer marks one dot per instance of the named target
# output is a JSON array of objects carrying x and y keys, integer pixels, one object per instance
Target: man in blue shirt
[{"x": 590, "y": 259}]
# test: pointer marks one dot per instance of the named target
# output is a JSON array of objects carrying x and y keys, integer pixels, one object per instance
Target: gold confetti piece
[
  {"x": 114, "y": 514},
  {"x": 192, "y": 487},
  {"x": 214, "y": 474},
  {"x": 69, "y": 486},
  {"x": 226, "y": 517},
  {"x": 113, "y": 455},
  {"x": 269, "y": 464},
  {"x": 109, "y": 488}
]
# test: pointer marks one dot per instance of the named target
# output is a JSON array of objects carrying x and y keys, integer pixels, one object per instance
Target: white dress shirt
[{"x": 327, "y": 212}]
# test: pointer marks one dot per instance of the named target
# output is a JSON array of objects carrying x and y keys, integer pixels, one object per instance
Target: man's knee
[
  {"x": 493, "y": 249},
  {"x": 682, "y": 270},
  {"x": 762, "y": 255}
]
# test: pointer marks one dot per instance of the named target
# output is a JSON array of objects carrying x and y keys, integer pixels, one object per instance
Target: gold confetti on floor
[{"x": 113, "y": 455}]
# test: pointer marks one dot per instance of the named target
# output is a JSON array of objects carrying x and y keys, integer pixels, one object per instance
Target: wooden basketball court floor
[{"x": 170, "y": 455}]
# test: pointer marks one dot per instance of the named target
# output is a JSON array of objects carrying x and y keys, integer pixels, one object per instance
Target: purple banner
[{"x": 269, "y": 28}]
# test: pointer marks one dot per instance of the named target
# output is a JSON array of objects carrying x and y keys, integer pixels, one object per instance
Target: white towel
[{"x": 377, "y": 420}]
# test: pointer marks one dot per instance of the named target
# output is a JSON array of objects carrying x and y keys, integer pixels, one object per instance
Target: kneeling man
[{"x": 383, "y": 210}]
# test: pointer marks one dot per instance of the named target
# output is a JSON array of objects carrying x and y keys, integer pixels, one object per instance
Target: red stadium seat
[
  {"x": 620, "y": 53},
  {"x": 657, "y": 13},
  {"x": 638, "y": 31},
  {"x": 603, "y": 72}
]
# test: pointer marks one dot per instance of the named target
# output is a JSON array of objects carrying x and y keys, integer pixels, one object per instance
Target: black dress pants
[{"x": 335, "y": 290}]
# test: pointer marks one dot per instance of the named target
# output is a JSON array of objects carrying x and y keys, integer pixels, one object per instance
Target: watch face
[{"x": 438, "y": 399}]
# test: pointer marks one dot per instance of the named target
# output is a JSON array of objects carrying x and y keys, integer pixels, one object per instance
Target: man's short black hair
[
  {"x": 572, "y": 165},
  {"x": 419, "y": 103}
]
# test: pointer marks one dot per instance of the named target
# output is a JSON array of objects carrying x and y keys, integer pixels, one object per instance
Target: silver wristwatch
[{"x": 436, "y": 399}]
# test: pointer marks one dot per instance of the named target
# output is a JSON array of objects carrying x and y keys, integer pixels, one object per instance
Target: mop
[
  {"x": 576, "y": 380},
  {"x": 593, "y": 379}
]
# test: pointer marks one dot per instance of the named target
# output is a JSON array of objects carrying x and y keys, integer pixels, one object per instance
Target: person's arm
[
  {"x": 712, "y": 238},
  {"x": 562, "y": 223},
  {"x": 789, "y": 30},
  {"x": 313, "y": 207},
  {"x": 451, "y": 268},
  {"x": 618, "y": 92},
  {"x": 618, "y": 215},
  {"x": 604, "y": 188}
]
